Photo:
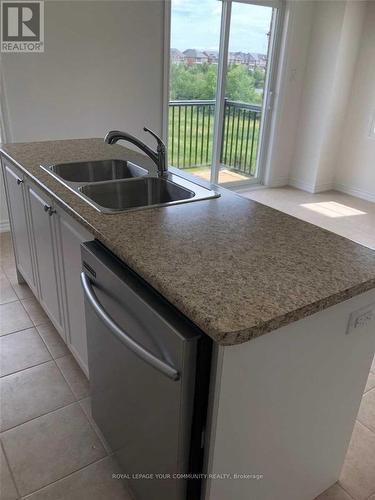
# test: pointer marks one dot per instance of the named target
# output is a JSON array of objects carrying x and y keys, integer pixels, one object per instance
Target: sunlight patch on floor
[{"x": 332, "y": 209}]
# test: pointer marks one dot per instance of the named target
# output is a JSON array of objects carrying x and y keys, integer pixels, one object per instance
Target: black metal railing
[
  {"x": 190, "y": 133},
  {"x": 191, "y": 129}
]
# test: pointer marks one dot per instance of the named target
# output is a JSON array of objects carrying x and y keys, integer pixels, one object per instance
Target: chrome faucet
[{"x": 158, "y": 156}]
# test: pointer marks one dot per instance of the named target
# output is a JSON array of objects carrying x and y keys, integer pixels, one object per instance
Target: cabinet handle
[
  {"x": 49, "y": 209},
  {"x": 20, "y": 181}
]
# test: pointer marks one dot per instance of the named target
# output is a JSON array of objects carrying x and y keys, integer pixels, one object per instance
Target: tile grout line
[
  {"x": 23, "y": 369},
  {"x": 33, "y": 297},
  {"x": 366, "y": 426},
  {"x": 346, "y": 491},
  {"x": 53, "y": 411},
  {"x": 10, "y": 301},
  {"x": 58, "y": 368},
  {"x": 77, "y": 400},
  {"x": 32, "y": 366},
  {"x": 10, "y": 470},
  {"x": 66, "y": 380},
  {"x": 42, "y": 415},
  {"x": 18, "y": 331},
  {"x": 64, "y": 477},
  {"x": 93, "y": 428},
  {"x": 15, "y": 291},
  {"x": 48, "y": 349},
  {"x": 39, "y": 416}
]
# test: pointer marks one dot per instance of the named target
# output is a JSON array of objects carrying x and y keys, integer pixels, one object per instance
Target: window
[{"x": 220, "y": 81}]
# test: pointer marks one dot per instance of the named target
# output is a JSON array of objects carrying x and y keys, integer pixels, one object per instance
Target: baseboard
[
  {"x": 310, "y": 188},
  {"x": 4, "y": 226},
  {"x": 305, "y": 186},
  {"x": 277, "y": 182},
  {"x": 320, "y": 188},
  {"x": 358, "y": 193},
  {"x": 343, "y": 188}
]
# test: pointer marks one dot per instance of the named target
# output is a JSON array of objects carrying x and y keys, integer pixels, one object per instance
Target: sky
[{"x": 195, "y": 24}]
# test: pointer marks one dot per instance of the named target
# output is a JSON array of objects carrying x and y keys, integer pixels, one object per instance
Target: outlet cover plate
[{"x": 361, "y": 318}]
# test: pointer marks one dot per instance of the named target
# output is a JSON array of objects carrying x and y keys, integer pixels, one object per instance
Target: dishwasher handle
[{"x": 122, "y": 336}]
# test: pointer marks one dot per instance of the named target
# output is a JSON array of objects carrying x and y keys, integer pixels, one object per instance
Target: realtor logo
[{"x": 22, "y": 26}]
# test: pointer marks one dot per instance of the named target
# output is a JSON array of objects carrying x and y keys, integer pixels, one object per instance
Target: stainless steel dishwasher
[{"x": 149, "y": 375}]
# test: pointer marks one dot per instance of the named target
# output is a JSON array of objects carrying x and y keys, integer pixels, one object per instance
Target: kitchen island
[{"x": 288, "y": 306}]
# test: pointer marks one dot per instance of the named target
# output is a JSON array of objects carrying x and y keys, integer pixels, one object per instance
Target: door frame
[{"x": 270, "y": 85}]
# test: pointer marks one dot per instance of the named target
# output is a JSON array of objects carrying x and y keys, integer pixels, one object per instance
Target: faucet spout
[{"x": 158, "y": 156}]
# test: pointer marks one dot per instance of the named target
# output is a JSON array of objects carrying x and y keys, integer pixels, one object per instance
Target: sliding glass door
[{"x": 220, "y": 87}]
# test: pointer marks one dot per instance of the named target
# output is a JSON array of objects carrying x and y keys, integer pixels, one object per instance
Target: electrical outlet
[{"x": 361, "y": 318}]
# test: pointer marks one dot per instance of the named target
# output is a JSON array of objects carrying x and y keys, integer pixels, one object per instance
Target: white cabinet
[
  {"x": 47, "y": 245},
  {"x": 70, "y": 236},
  {"x": 15, "y": 191},
  {"x": 42, "y": 229}
]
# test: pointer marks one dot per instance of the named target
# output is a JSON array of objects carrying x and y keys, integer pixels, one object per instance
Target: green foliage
[
  {"x": 193, "y": 82},
  {"x": 259, "y": 77},
  {"x": 198, "y": 81},
  {"x": 240, "y": 84}
]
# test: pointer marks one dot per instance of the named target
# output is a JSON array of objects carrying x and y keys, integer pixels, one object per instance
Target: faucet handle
[{"x": 161, "y": 145}]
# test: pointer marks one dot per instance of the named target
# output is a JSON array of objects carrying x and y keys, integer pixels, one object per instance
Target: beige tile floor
[
  {"x": 50, "y": 447},
  {"x": 338, "y": 212}
]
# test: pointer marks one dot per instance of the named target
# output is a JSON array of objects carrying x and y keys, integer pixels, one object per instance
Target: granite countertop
[{"x": 236, "y": 268}]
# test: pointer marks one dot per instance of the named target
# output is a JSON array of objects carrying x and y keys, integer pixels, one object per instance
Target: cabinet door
[
  {"x": 14, "y": 183},
  {"x": 45, "y": 252},
  {"x": 71, "y": 235}
]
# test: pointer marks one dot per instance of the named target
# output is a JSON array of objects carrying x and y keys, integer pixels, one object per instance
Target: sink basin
[
  {"x": 137, "y": 193},
  {"x": 96, "y": 171},
  {"x": 118, "y": 185}
]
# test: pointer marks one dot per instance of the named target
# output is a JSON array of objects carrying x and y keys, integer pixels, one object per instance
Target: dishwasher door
[{"x": 142, "y": 362}]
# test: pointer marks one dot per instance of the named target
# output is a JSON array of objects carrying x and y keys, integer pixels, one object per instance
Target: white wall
[
  {"x": 331, "y": 59},
  {"x": 290, "y": 80},
  {"x": 102, "y": 69},
  {"x": 327, "y": 100},
  {"x": 355, "y": 171},
  {"x": 347, "y": 53}
]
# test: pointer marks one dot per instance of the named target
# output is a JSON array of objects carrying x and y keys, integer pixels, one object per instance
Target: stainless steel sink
[
  {"x": 112, "y": 186},
  {"x": 142, "y": 192},
  {"x": 96, "y": 171}
]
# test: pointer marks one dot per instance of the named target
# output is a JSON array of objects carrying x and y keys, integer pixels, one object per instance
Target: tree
[
  {"x": 259, "y": 75},
  {"x": 198, "y": 81},
  {"x": 240, "y": 84},
  {"x": 193, "y": 82}
]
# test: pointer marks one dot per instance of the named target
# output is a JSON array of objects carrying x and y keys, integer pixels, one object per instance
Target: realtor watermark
[
  {"x": 22, "y": 26},
  {"x": 213, "y": 476}
]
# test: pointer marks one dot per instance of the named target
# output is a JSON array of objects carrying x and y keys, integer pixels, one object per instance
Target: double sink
[{"x": 119, "y": 185}]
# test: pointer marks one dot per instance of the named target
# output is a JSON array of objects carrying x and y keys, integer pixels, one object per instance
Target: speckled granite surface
[{"x": 236, "y": 268}]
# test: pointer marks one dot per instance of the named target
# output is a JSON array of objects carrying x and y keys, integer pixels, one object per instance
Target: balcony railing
[{"x": 191, "y": 125}]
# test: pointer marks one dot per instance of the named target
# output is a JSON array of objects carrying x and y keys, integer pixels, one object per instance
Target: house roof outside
[
  {"x": 176, "y": 53},
  {"x": 194, "y": 54},
  {"x": 258, "y": 57},
  {"x": 211, "y": 53}
]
